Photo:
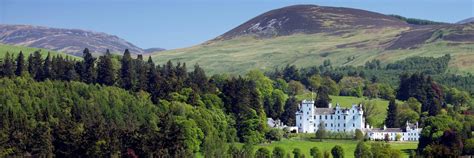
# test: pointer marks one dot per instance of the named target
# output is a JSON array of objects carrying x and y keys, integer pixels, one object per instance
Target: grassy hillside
[
  {"x": 29, "y": 50},
  {"x": 243, "y": 53}
]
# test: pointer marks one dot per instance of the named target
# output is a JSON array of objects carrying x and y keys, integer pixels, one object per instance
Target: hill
[
  {"x": 29, "y": 50},
  {"x": 465, "y": 21},
  {"x": 312, "y": 34},
  {"x": 71, "y": 41}
]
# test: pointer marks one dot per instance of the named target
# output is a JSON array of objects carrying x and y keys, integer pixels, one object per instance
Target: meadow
[
  {"x": 29, "y": 50},
  {"x": 356, "y": 48}
]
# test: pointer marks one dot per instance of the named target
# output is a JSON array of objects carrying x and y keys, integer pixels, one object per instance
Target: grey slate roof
[
  {"x": 387, "y": 130},
  {"x": 324, "y": 111}
]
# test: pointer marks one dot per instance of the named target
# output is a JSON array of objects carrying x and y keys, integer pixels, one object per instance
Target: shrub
[
  {"x": 337, "y": 152},
  {"x": 262, "y": 153}
]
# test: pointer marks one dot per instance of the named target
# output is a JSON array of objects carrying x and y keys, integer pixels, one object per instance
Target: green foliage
[
  {"x": 105, "y": 70},
  {"x": 392, "y": 119},
  {"x": 362, "y": 150},
  {"x": 323, "y": 100},
  {"x": 262, "y": 153},
  {"x": 337, "y": 152},
  {"x": 321, "y": 132},
  {"x": 288, "y": 116},
  {"x": 295, "y": 87},
  {"x": 274, "y": 134},
  {"x": 440, "y": 136},
  {"x": 315, "y": 152},
  {"x": 417, "y": 21},
  {"x": 469, "y": 146},
  {"x": 278, "y": 152},
  {"x": 380, "y": 149},
  {"x": 297, "y": 153},
  {"x": 359, "y": 135}
]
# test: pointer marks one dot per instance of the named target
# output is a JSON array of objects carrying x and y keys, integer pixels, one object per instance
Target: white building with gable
[
  {"x": 410, "y": 133},
  {"x": 335, "y": 119}
]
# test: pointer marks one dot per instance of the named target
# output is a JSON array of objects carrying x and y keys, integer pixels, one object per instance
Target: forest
[{"x": 114, "y": 106}]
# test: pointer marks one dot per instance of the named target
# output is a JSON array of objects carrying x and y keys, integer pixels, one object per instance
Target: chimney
[{"x": 330, "y": 105}]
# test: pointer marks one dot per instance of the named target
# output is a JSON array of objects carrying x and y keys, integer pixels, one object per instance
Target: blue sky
[{"x": 181, "y": 23}]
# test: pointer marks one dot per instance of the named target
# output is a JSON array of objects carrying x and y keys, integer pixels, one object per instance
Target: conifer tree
[
  {"x": 141, "y": 75},
  {"x": 323, "y": 100},
  {"x": 8, "y": 66},
  {"x": 198, "y": 80},
  {"x": 288, "y": 116},
  {"x": 126, "y": 71},
  {"x": 88, "y": 70},
  {"x": 46, "y": 69},
  {"x": 153, "y": 78},
  {"x": 105, "y": 70},
  {"x": 392, "y": 120},
  {"x": 20, "y": 64}
]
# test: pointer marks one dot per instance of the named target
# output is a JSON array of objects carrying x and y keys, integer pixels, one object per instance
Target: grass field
[
  {"x": 29, "y": 50},
  {"x": 245, "y": 53},
  {"x": 347, "y": 101},
  {"x": 305, "y": 144}
]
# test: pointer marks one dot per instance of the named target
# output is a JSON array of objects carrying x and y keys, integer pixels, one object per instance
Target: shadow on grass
[{"x": 407, "y": 151}]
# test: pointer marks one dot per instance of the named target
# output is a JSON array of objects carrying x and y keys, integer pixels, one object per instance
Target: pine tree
[
  {"x": 88, "y": 73},
  {"x": 141, "y": 73},
  {"x": 153, "y": 78},
  {"x": 323, "y": 100},
  {"x": 46, "y": 69},
  {"x": 198, "y": 80},
  {"x": 288, "y": 116},
  {"x": 105, "y": 70},
  {"x": 20, "y": 64},
  {"x": 8, "y": 66},
  {"x": 126, "y": 71},
  {"x": 392, "y": 120}
]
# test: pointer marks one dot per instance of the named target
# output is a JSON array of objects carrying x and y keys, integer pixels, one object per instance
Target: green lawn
[{"x": 305, "y": 144}]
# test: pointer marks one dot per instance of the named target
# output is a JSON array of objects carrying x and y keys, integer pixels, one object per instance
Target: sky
[{"x": 174, "y": 24}]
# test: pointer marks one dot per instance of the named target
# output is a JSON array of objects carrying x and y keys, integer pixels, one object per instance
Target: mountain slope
[
  {"x": 71, "y": 41},
  {"x": 468, "y": 20},
  {"x": 14, "y": 50},
  {"x": 311, "y": 19},
  {"x": 346, "y": 42}
]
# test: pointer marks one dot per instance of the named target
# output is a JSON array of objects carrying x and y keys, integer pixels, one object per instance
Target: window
[
  {"x": 331, "y": 117},
  {"x": 325, "y": 124},
  {"x": 344, "y": 124},
  {"x": 353, "y": 125},
  {"x": 338, "y": 117},
  {"x": 326, "y": 117},
  {"x": 344, "y": 117},
  {"x": 353, "y": 117},
  {"x": 338, "y": 125},
  {"x": 331, "y": 124},
  {"x": 320, "y": 117}
]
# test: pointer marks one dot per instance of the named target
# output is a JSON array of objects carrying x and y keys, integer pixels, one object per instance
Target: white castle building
[
  {"x": 338, "y": 119},
  {"x": 410, "y": 133},
  {"x": 335, "y": 119}
]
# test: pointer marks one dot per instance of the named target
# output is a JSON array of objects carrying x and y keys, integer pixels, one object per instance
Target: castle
[
  {"x": 335, "y": 119},
  {"x": 338, "y": 119}
]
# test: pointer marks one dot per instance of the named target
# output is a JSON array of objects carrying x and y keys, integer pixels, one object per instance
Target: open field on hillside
[
  {"x": 244, "y": 53},
  {"x": 29, "y": 50}
]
